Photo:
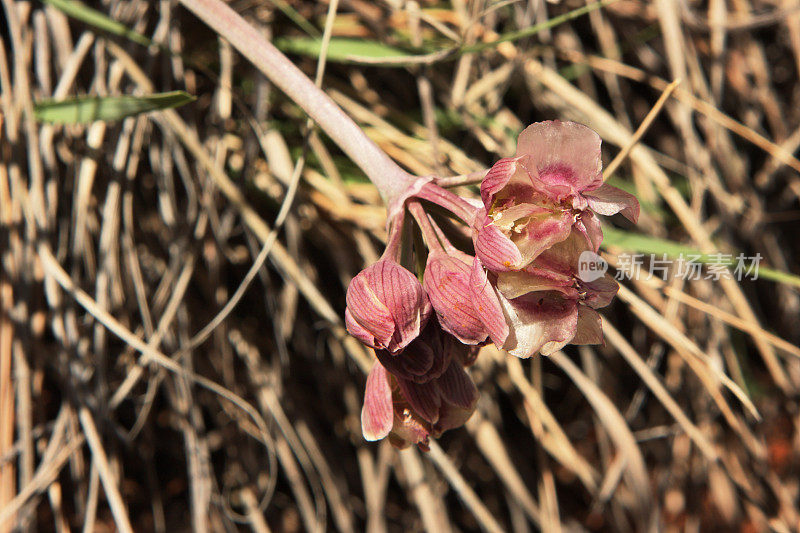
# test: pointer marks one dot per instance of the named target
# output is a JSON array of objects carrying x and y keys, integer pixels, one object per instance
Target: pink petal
[
  {"x": 377, "y": 414},
  {"x": 487, "y": 304},
  {"x": 497, "y": 252},
  {"x": 609, "y": 200},
  {"x": 357, "y": 330},
  {"x": 496, "y": 179},
  {"x": 457, "y": 387},
  {"x": 366, "y": 316},
  {"x": 424, "y": 398},
  {"x": 542, "y": 232},
  {"x": 539, "y": 322},
  {"x": 515, "y": 284},
  {"x": 564, "y": 256},
  {"x": 564, "y": 155},
  {"x": 447, "y": 283},
  {"x": 590, "y": 327},
  {"x": 402, "y": 294}
]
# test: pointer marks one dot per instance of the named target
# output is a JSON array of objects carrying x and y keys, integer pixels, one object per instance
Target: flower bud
[
  {"x": 386, "y": 306},
  {"x": 462, "y": 311}
]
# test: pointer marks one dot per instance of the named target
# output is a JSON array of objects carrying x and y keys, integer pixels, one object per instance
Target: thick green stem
[{"x": 391, "y": 180}]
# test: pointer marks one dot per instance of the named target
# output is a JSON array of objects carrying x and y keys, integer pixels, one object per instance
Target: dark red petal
[
  {"x": 423, "y": 398},
  {"x": 457, "y": 387}
]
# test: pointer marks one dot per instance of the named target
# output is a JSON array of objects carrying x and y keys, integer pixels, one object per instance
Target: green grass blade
[
  {"x": 340, "y": 50},
  {"x": 644, "y": 244},
  {"x": 96, "y": 19},
  {"x": 110, "y": 108},
  {"x": 362, "y": 51},
  {"x": 296, "y": 17}
]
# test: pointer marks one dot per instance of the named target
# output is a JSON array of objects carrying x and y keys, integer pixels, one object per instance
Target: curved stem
[
  {"x": 462, "y": 179},
  {"x": 449, "y": 200},
  {"x": 429, "y": 233},
  {"x": 395, "y": 239},
  {"x": 388, "y": 177}
]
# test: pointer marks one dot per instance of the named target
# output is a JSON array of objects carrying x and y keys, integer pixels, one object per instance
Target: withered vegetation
[{"x": 153, "y": 379}]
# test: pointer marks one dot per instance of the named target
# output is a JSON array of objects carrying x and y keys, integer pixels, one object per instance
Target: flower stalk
[{"x": 391, "y": 180}]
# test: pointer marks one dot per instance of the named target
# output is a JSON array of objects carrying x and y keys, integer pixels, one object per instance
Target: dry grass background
[{"x": 127, "y": 403}]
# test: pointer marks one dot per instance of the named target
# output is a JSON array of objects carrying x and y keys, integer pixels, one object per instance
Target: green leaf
[
  {"x": 90, "y": 108},
  {"x": 346, "y": 50},
  {"x": 340, "y": 49},
  {"x": 644, "y": 244},
  {"x": 94, "y": 18}
]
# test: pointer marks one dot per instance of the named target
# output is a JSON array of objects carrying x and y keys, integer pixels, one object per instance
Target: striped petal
[
  {"x": 386, "y": 306},
  {"x": 447, "y": 282},
  {"x": 487, "y": 304},
  {"x": 424, "y": 398},
  {"x": 377, "y": 414},
  {"x": 496, "y": 179}
]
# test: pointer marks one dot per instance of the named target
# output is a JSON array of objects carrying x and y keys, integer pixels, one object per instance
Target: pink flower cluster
[{"x": 521, "y": 290}]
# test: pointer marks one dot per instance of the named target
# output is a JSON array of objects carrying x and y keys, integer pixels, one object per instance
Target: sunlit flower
[
  {"x": 549, "y": 305},
  {"x": 523, "y": 289},
  {"x": 552, "y": 187}
]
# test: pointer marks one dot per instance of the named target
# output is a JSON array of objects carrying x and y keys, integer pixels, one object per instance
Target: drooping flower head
[
  {"x": 386, "y": 306},
  {"x": 523, "y": 289},
  {"x": 469, "y": 312}
]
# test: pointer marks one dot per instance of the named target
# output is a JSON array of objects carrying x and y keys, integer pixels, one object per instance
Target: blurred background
[{"x": 147, "y": 383}]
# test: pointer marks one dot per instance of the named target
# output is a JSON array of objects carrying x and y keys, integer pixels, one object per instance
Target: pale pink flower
[
  {"x": 548, "y": 305},
  {"x": 553, "y": 185}
]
